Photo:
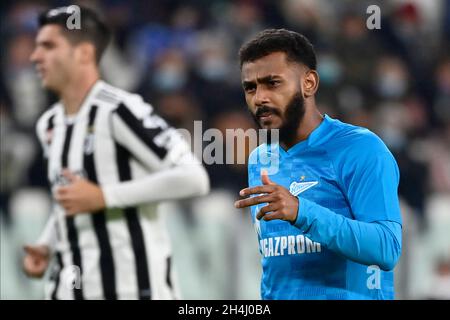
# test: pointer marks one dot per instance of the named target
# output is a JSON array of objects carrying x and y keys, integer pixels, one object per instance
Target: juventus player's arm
[
  {"x": 175, "y": 172},
  {"x": 48, "y": 235},
  {"x": 37, "y": 255}
]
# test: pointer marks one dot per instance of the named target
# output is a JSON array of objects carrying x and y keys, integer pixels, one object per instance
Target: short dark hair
[
  {"x": 296, "y": 46},
  {"x": 92, "y": 28}
]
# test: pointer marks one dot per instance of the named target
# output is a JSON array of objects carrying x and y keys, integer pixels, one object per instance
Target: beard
[{"x": 293, "y": 115}]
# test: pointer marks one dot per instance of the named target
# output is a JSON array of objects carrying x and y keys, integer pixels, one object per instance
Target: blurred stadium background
[{"x": 182, "y": 57}]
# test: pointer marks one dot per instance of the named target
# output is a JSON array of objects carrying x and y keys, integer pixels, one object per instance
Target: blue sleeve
[
  {"x": 368, "y": 176},
  {"x": 370, "y": 243}
]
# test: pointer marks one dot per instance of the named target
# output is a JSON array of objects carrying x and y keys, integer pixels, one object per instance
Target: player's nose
[
  {"x": 261, "y": 97},
  {"x": 35, "y": 56}
]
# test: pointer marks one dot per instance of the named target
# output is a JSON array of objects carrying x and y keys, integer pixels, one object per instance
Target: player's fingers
[
  {"x": 253, "y": 200},
  {"x": 70, "y": 176},
  {"x": 64, "y": 196},
  {"x": 266, "y": 209},
  {"x": 71, "y": 211},
  {"x": 61, "y": 191},
  {"x": 265, "y": 178},
  {"x": 257, "y": 190},
  {"x": 31, "y": 250},
  {"x": 66, "y": 204},
  {"x": 36, "y": 251},
  {"x": 34, "y": 267},
  {"x": 272, "y": 216}
]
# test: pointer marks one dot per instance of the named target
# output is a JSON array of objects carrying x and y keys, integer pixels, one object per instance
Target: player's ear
[
  {"x": 86, "y": 52},
  {"x": 310, "y": 83}
]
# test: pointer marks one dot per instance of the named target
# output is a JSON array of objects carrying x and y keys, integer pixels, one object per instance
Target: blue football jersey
[{"x": 342, "y": 175}]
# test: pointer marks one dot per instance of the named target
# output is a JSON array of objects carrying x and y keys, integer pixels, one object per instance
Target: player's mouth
[
  {"x": 265, "y": 112},
  {"x": 265, "y": 116},
  {"x": 41, "y": 72}
]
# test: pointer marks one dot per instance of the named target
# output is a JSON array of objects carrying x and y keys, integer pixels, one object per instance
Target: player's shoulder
[
  {"x": 121, "y": 99},
  {"x": 351, "y": 139},
  {"x": 48, "y": 114},
  {"x": 47, "y": 120},
  {"x": 357, "y": 150}
]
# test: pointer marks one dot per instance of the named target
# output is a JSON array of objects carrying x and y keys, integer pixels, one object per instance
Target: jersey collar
[
  {"x": 317, "y": 136},
  {"x": 87, "y": 101}
]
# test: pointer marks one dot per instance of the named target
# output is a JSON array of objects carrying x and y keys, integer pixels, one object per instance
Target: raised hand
[{"x": 281, "y": 204}]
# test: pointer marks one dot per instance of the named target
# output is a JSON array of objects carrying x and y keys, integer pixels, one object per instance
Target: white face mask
[{"x": 391, "y": 85}]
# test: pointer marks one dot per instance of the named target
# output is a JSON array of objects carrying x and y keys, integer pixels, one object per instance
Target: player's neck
[
  {"x": 74, "y": 93},
  {"x": 310, "y": 121}
]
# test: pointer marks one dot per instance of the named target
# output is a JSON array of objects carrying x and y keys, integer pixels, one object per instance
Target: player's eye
[
  {"x": 249, "y": 88},
  {"x": 47, "y": 45},
  {"x": 274, "y": 83}
]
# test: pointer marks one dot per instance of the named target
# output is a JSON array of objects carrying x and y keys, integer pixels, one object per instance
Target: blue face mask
[
  {"x": 169, "y": 78},
  {"x": 329, "y": 70},
  {"x": 213, "y": 69}
]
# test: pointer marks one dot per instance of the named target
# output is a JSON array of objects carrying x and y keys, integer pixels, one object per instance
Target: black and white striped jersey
[{"x": 117, "y": 141}]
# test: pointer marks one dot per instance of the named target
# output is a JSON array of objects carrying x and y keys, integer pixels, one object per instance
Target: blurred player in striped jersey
[{"x": 110, "y": 159}]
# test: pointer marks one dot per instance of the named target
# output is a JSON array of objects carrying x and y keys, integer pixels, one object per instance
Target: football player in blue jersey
[{"x": 328, "y": 220}]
